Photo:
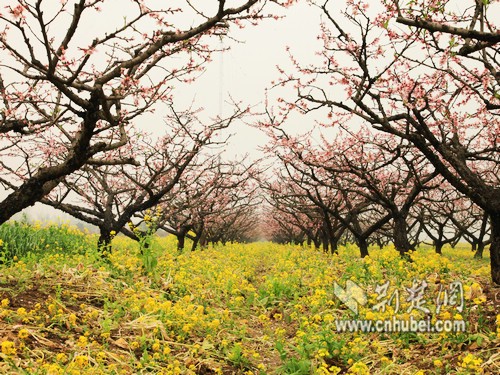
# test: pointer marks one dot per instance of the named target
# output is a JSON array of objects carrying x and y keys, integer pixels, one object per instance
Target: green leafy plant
[{"x": 20, "y": 239}]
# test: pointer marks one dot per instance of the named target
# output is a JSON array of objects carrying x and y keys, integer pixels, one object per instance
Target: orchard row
[{"x": 406, "y": 98}]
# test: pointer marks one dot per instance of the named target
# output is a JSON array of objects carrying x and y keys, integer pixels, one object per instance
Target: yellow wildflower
[
  {"x": 156, "y": 346},
  {"x": 438, "y": 363},
  {"x": 61, "y": 357},
  {"x": 23, "y": 334},
  {"x": 81, "y": 360},
  {"x": 134, "y": 345},
  {"x": 8, "y": 348},
  {"x": 359, "y": 368},
  {"x": 471, "y": 362},
  {"x": 72, "y": 319},
  {"x": 82, "y": 342}
]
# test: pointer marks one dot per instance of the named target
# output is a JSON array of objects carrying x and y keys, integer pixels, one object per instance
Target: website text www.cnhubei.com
[{"x": 400, "y": 325}]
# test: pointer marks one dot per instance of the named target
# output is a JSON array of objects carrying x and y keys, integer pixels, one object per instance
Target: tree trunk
[
  {"x": 495, "y": 247},
  {"x": 479, "y": 251},
  {"x": 39, "y": 185},
  {"x": 400, "y": 234},
  {"x": 203, "y": 240},
  {"x": 104, "y": 241},
  {"x": 195, "y": 243},
  {"x": 25, "y": 196},
  {"x": 334, "y": 245},
  {"x": 181, "y": 239},
  {"x": 317, "y": 244},
  {"x": 199, "y": 234},
  {"x": 325, "y": 244},
  {"x": 438, "y": 245},
  {"x": 363, "y": 247}
]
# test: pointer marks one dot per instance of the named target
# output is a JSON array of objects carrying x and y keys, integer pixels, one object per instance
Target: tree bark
[
  {"x": 317, "y": 243},
  {"x": 200, "y": 232},
  {"x": 324, "y": 242},
  {"x": 363, "y": 246},
  {"x": 203, "y": 240},
  {"x": 334, "y": 244},
  {"x": 495, "y": 247},
  {"x": 38, "y": 186},
  {"x": 400, "y": 234},
  {"x": 438, "y": 246},
  {"x": 479, "y": 251},
  {"x": 181, "y": 239},
  {"x": 195, "y": 243},
  {"x": 104, "y": 241}
]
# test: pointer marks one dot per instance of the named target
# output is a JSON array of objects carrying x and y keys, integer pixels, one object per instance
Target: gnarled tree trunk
[
  {"x": 104, "y": 241},
  {"x": 363, "y": 246},
  {"x": 400, "y": 234},
  {"x": 438, "y": 246},
  {"x": 479, "y": 251},
  {"x": 495, "y": 247}
]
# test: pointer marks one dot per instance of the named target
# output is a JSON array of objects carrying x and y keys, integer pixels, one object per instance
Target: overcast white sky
[{"x": 249, "y": 67}]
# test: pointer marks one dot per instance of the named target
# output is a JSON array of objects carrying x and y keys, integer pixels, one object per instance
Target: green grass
[{"x": 21, "y": 240}]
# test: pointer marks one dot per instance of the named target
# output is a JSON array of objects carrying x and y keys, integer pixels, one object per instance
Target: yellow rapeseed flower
[
  {"x": 156, "y": 346},
  {"x": 81, "y": 360},
  {"x": 53, "y": 369},
  {"x": 72, "y": 319},
  {"x": 23, "y": 334},
  {"x": 359, "y": 368},
  {"x": 22, "y": 312},
  {"x": 438, "y": 363},
  {"x": 101, "y": 356},
  {"x": 479, "y": 300},
  {"x": 472, "y": 362},
  {"x": 82, "y": 342},
  {"x": 134, "y": 345},
  {"x": 61, "y": 357},
  {"x": 8, "y": 348}
]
